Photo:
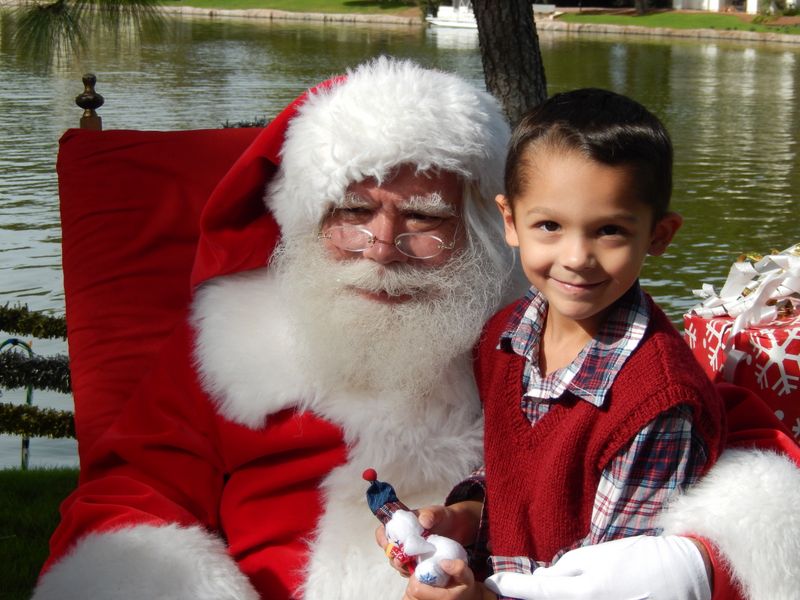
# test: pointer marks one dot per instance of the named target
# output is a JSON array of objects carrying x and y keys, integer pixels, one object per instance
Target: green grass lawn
[
  {"x": 679, "y": 20},
  {"x": 28, "y": 515},
  {"x": 321, "y": 6},
  {"x": 665, "y": 19}
]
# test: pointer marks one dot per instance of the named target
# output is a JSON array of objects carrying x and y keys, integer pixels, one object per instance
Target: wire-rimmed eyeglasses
[{"x": 354, "y": 238}]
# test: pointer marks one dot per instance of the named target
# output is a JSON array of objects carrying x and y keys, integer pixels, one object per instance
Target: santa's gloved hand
[{"x": 658, "y": 567}]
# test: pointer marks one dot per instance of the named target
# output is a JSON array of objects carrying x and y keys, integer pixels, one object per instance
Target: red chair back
[{"x": 130, "y": 206}]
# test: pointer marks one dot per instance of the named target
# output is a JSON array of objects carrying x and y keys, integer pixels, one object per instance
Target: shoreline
[
  {"x": 285, "y": 15},
  {"x": 543, "y": 23},
  {"x": 548, "y": 24}
]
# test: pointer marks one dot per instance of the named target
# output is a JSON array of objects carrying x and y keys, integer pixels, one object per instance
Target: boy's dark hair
[{"x": 604, "y": 126}]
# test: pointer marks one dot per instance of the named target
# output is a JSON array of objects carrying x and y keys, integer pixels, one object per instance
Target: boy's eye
[
  {"x": 608, "y": 230},
  {"x": 549, "y": 226}
]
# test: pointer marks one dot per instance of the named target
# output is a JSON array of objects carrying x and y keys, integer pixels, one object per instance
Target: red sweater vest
[{"x": 541, "y": 481}]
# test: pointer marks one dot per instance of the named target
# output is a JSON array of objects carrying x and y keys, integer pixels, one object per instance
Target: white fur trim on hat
[
  {"x": 144, "y": 561},
  {"x": 386, "y": 113},
  {"x": 747, "y": 505}
]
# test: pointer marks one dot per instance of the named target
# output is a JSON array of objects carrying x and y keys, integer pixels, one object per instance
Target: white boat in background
[{"x": 458, "y": 15}]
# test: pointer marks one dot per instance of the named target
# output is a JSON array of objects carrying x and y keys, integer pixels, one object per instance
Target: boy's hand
[
  {"x": 462, "y": 585},
  {"x": 458, "y": 522},
  {"x": 383, "y": 542}
]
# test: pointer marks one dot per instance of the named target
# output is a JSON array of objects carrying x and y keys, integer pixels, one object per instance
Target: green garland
[
  {"x": 32, "y": 421},
  {"x": 40, "y": 372},
  {"x": 21, "y": 321},
  {"x": 20, "y": 369}
]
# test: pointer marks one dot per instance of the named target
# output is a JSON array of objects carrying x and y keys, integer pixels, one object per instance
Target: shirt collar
[{"x": 593, "y": 371}]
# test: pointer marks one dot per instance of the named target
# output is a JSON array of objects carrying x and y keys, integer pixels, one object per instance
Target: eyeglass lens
[{"x": 357, "y": 239}]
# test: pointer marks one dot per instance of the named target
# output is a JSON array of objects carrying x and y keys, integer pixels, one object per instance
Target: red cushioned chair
[{"x": 130, "y": 205}]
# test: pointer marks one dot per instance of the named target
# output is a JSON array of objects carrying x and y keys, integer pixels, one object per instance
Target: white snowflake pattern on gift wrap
[
  {"x": 714, "y": 342},
  {"x": 691, "y": 335},
  {"x": 796, "y": 428},
  {"x": 772, "y": 358}
]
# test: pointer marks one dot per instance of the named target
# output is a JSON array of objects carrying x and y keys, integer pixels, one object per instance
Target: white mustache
[{"x": 396, "y": 280}]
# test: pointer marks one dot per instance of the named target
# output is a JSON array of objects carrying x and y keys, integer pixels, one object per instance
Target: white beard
[
  {"x": 353, "y": 343},
  {"x": 396, "y": 378}
]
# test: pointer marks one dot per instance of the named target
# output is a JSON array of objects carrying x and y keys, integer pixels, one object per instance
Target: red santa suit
[{"x": 234, "y": 474}]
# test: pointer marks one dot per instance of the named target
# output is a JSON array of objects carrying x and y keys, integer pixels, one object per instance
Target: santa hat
[{"x": 382, "y": 114}]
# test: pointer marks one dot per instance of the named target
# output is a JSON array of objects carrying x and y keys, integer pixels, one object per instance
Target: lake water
[{"x": 732, "y": 108}]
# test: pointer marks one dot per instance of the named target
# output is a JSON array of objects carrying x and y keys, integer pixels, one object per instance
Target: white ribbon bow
[{"x": 752, "y": 294}]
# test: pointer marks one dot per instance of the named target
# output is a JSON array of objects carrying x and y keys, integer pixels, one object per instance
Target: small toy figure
[{"x": 409, "y": 542}]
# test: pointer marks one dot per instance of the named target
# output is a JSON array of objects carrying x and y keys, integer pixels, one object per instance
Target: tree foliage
[
  {"x": 512, "y": 60},
  {"x": 48, "y": 29}
]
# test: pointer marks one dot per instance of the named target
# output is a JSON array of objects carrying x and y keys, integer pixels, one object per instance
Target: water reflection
[
  {"x": 732, "y": 110},
  {"x": 453, "y": 38}
]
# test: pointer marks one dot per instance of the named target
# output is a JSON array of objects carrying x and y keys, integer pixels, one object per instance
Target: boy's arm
[
  {"x": 666, "y": 456},
  {"x": 473, "y": 489},
  {"x": 663, "y": 457},
  {"x": 747, "y": 561}
]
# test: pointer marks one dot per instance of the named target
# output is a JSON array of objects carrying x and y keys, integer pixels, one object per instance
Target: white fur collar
[{"x": 244, "y": 348}]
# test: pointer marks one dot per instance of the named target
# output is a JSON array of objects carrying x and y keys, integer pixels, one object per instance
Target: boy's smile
[
  {"x": 573, "y": 287},
  {"x": 583, "y": 234}
]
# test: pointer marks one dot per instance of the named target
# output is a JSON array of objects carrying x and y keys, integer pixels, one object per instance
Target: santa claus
[{"x": 235, "y": 472}]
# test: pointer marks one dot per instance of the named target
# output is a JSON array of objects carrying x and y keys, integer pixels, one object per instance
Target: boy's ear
[
  {"x": 504, "y": 206},
  {"x": 663, "y": 232}
]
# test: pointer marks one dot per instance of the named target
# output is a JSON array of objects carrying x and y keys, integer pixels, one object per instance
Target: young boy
[{"x": 595, "y": 410}]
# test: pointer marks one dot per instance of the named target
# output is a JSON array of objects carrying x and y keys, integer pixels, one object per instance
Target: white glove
[{"x": 635, "y": 568}]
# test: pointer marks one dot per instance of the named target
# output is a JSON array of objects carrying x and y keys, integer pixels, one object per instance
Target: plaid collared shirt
[
  {"x": 590, "y": 375},
  {"x": 663, "y": 457}
]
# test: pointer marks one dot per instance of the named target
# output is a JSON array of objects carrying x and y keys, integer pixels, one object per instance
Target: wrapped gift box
[
  {"x": 766, "y": 359},
  {"x": 749, "y": 333}
]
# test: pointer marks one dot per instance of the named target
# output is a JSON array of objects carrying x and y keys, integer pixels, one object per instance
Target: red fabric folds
[
  {"x": 130, "y": 210},
  {"x": 133, "y": 206}
]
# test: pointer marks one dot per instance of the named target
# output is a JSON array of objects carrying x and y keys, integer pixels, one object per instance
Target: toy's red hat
[{"x": 381, "y": 497}]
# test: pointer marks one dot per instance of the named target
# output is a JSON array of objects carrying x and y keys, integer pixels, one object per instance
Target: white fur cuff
[
  {"x": 169, "y": 562},
  {"x": 747, "y": 505}
]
